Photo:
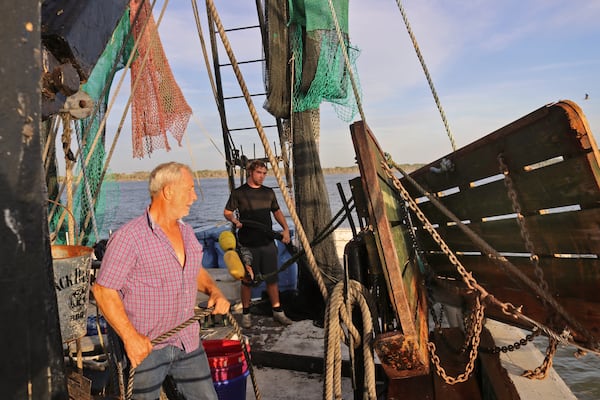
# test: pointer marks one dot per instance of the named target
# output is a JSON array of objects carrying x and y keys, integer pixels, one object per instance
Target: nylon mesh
[
  {"x": 101, "y": 77},
  {"x": 158, "y": 104},
  {"x": 320, "y": 69}
]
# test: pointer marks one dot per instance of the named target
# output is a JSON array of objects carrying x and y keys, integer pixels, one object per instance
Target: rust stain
[{"x": 398, "y": 355}]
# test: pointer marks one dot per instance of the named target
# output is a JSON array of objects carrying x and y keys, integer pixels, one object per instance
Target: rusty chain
[
  {"x": 592, "y": 344},
  {"x": 477, "y": 326},
  {"x": 535, "y": 332},
  {"x": 512, "y": 194},
  {"x": 541, "y": 371},
  {"x": 474, "y": 336}
]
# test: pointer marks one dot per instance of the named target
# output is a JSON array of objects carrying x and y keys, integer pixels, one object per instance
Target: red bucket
[{"x": 225, "y": 358}]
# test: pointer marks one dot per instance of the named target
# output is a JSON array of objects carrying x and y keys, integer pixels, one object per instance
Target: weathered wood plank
[
  {"x": 555, "y": 130},
  {"x": 567, "y": 183},
  {"x": 448, "y": 344},
  {"x": 558, "y": 131},
  {"x": 576, "y": 232},
  {"x": 80, "y": 387},
  {"x": 566, "y": 277},
  {"x": 572, "y": 282}
]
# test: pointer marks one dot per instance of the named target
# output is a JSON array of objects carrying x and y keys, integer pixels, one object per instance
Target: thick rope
[
  {"x": 198, "y": 315},
  {"x": 274, "y": 164},
  {"x": 429, "y": 80},
  {"x": 338, "y": 312},
  {"x": 238, "y": 332}
]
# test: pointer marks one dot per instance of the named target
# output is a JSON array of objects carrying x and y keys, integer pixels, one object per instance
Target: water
[
  {"x": 207, "y": 211},
  {"x": 128, "y": 200}
]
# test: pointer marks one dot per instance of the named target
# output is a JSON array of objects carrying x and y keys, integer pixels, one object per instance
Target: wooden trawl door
[{"x": 406, "y": 347}]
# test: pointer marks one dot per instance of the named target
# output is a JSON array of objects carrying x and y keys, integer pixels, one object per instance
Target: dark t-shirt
[{"x": 254, "y": 205}]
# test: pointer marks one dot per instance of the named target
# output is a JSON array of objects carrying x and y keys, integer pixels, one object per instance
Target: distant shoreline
[{"x": 208, "y": 174}]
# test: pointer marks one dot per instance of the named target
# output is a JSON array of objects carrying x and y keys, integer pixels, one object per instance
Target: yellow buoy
[
  {"x": 234, "y": 264},
  {"x": 227, "y": 240}
]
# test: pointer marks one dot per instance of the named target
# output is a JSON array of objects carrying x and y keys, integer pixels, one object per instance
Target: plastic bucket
[
  {"x": 228, "y": 367},
  {"x": 232, "y": 389},
  {"x": 71, "y": 266},
  {"x": 227, "y": 373}
]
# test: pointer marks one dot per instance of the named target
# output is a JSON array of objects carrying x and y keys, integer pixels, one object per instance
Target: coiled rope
[{"x": 338, "y": 312}]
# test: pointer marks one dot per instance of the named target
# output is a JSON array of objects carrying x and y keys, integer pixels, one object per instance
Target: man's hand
[
  {"x": 286, "y": 236},
  {"x": 249, "y": 274},
  {"x": 220, "y": 302},
  {"x": 207, "y": 285},
  {"x": 137, "y": 348}
]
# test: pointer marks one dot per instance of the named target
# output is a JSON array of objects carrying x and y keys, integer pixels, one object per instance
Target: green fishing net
[
  {"x": 319, "y": 66},
  {"x": 93, "y": 185}
]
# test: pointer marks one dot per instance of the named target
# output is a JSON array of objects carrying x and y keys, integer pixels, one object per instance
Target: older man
[{"x": 147, "y": 285}]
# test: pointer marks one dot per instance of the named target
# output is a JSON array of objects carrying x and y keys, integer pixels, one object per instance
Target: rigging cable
[
  {"x": 210, "y": 76},
  {"x": 429, "y": 80},
  {"x": 200, "y": 313}
]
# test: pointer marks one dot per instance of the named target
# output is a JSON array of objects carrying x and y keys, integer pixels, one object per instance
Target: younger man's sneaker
[
  {"x": 280, "y": 317},
  {"x": 246, "y": 321}
]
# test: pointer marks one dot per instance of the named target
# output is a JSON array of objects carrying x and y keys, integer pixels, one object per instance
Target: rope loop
[{"x": 338, "y": 315}]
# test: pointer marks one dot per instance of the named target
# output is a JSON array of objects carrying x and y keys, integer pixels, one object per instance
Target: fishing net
[
  {"x": 158, "y": 104},
  {"x": 89, "y": 202},
  {"x": 320, "y": 72}
]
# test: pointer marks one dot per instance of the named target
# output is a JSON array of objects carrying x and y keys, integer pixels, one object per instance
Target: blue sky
[{"x": 491, "y": 63}]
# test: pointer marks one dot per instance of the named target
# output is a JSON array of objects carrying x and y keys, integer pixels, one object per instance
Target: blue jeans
[{"x": 190, "y": 373}]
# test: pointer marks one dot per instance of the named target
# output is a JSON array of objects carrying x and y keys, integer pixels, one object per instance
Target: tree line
[{"x": 217, "y": 173}]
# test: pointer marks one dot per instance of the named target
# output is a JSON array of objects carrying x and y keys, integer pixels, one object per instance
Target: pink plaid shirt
[{"x": 158, "y": 294}]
